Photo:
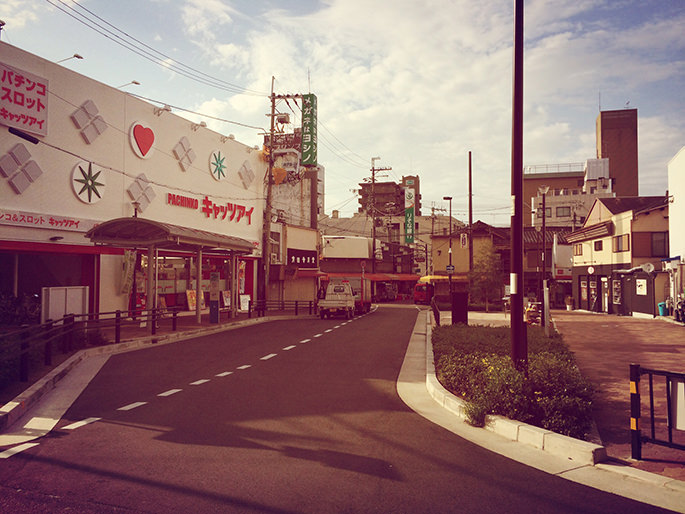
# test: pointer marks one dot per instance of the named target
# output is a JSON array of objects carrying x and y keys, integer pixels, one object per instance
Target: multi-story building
[
  {"x": 568, "y": 206},
  {"x": 387, "y": 198},
  {"x": 617, "y": 255},
  {"x": 617, "y": 141},
  {"x": 675, "y": 265}
]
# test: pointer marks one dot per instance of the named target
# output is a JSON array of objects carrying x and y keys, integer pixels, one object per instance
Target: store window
[
  {"x": 578, "y": 249},
  {"x": 563, "y": 212},
  {"x": 598, "y": 246}
]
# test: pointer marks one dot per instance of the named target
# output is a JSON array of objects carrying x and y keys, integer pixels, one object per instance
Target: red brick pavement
[{"x": 605, "y": 346}]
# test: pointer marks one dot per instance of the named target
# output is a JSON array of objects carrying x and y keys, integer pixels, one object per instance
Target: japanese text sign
[
  {"x": 309, "y": 117},
  {"x": 23, "y": 100}
]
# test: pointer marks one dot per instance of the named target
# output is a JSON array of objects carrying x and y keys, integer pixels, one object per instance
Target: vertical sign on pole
[
  {"x": 409, "y": 202},
  {"x": 309, "y": 142}
]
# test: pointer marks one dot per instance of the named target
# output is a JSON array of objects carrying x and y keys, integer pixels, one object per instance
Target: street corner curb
[
  {"x": 642, "y": 476},
  {"x": 20, "y": 405},
  {"x": 555, "y": 444}
]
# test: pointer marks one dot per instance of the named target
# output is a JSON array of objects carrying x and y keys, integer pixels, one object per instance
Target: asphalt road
[{"x": 289, "y": 416}]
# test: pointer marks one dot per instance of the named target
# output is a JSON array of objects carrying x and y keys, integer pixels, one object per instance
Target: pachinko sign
[{"x": 23, "y": 100}]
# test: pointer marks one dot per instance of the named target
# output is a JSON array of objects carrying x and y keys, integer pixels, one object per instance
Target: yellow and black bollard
[{"x": 635, "y": 435}]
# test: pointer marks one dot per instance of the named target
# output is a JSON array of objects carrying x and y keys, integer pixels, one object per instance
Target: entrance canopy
[{"x": 140, "y": 232}]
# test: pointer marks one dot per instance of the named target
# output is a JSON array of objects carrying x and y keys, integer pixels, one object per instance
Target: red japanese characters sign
[{"x": 23, "y": 100}]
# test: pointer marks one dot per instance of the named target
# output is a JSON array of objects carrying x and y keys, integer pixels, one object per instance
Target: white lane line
[
  {"x": 170, "y": 392},
  {"x": 290, "y": 347},
  {"x": 224, "y": 374},
  {"x": 132, "y": 406},
  {"x": 244, "y": 366},
  {"x": 13, "y": 451},
  {"x": 327, "y": 331},
  {"x": 81, "y": 423},
  {"x": 305, "y": 341},
  {"x": 318, "y": 335},
  {"x": 199, "y": 382},
  {"x": 267, "y": 357},
  {"x": 338, "y": 326}
]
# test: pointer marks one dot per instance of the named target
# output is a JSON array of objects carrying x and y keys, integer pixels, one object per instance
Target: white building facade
[{"x": 101, "y": 154}]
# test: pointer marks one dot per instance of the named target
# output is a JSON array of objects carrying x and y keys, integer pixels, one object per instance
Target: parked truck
[
  {"x": 361, "y": 289},
  {"x": 339, "y": 301}
]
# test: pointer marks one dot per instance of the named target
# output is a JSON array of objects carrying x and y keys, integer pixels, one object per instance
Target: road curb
[
  {"x": 559, "y": 445},
  {"x": 22, "y": 403}
]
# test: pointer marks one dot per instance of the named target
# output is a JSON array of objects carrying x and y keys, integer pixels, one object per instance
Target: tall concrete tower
[{"x": 617, "y": 141}]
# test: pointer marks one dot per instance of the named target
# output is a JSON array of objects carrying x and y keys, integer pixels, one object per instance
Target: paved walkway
[{"x": 605, "y": 346}]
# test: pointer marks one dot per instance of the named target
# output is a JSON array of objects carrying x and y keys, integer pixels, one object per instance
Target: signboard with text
[
  {"x": 23, "y": 100},
  {"x": 309, "y": 122}
]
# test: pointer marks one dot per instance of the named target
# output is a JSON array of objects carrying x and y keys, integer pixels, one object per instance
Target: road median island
[{"x": 583, "y": 452}]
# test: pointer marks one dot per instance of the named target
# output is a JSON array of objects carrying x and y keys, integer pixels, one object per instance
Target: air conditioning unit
[{"x": 275, "y": 259}]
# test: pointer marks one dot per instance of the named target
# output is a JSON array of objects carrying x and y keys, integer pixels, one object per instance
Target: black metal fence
[
  {"x": 662, "y": 422},
  {"x": 261, "y": 307}
]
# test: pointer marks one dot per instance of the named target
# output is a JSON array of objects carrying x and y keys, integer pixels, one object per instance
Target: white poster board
[{"x": 57, "y": 302}]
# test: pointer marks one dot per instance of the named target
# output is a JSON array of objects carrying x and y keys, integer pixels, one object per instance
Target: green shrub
[{"x": 474, "y": 364}]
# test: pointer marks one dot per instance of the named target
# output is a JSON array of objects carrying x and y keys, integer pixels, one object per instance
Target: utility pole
[
  {"x": 266, "y": 227},
  {"x": 372, "y": 206},
  {"x": 470, "y": 216},
  {"x": 519, "y": 343}
]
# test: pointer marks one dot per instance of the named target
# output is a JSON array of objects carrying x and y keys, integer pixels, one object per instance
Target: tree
[{"x": 486, "y": 276}]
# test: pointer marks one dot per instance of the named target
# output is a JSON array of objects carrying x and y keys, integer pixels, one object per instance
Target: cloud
[{"x": 422, "y": 83}]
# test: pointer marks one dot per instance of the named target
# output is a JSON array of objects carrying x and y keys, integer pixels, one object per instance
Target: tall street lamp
[
  {"x": 543, "y": 190},
  {"x": 75, "y": 56},
  {"x": 450, "y": 269}
]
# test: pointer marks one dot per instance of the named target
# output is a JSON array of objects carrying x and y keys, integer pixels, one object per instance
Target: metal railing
[
  {"x": 261, "y": 307},
  {"x": 29, "y": 346},
  {"x": 656, "y": 409}
]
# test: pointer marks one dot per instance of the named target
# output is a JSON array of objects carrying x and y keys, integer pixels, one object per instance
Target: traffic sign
[{"x": 450, "y": 269}]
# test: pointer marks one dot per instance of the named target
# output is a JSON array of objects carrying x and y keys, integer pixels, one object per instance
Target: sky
[{"x": 418, "y": 84}]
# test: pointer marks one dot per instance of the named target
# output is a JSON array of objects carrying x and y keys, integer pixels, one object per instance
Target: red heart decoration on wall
[{"x": 144, "y": 138}]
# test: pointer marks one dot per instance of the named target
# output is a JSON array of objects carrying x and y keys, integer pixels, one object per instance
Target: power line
[{"x": 152, "y": 55}]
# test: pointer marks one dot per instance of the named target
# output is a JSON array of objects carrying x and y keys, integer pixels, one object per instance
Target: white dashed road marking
[
  {"x": 81, "y": 423},
  {"x": 267, "y": 357},
  {"x": 290, "y": 347},
  {"x": 318, "y": 335},
  {"x": 132, "y": 406},
  {"x": 224, "y": 374},
  {"x": 13, "y": 451},
  {"x": 305, "y": 341},
  {"x": 199, "y": 382},
  {"x": 327, "y": 331},
  {"x": 170, "y": 392},
  {"x": 244, "y": 366}
]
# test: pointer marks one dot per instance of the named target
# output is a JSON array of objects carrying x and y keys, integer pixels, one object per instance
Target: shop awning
[
  {"x": 377, "y": 277},
  {"x": 141, "y": 232}
]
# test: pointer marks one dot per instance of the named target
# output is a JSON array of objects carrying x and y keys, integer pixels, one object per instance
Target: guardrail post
[
  {"x": 48, "y": 343},
  {"x": 24, "y": 356},
  {"x": 153, "y": 321},
  {"x": 249, "y": 309},
  {"x": 295, "y": 307},
  {"x": 174, "y": 321},
  {"x": 310, "y": 307},
  {"x": 635, "y": 435},
  {"x": 117, "y": 327}
]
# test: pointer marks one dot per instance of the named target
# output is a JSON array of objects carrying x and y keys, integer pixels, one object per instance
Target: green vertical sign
[
  {"x": 309, "y": 143},
  {"x": 409, "y": 202},
  {"x": 409, "y": 225}
]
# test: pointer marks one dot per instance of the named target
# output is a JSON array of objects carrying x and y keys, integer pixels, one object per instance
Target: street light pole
[
  {"x": 544, "y": 190},
  {"x": 450, "y": 269}
]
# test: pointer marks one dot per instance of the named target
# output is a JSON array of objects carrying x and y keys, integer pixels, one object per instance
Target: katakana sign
[
  {"x": 23, "y": 100},
  {"x": 309, "y": 120}
]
